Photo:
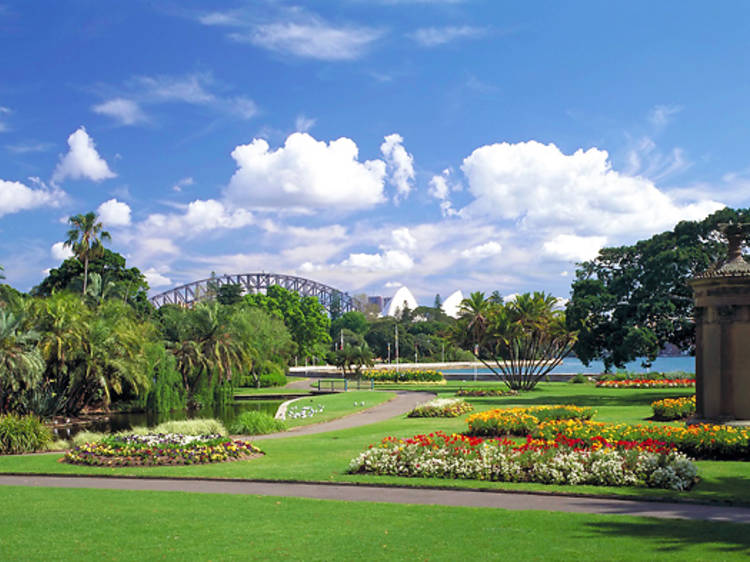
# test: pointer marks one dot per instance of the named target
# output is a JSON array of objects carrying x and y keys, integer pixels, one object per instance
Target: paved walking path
[
  {"x": 402, "y": 403},
  {"x": 389, "y": 494}
]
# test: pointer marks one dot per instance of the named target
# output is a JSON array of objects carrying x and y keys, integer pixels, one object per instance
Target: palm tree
[
  {"x": 473, "y": 316},
  {"x": 85, "y": 238},
  {"x": 21, "y": 365},
  {"x": 2, "y": 269}
]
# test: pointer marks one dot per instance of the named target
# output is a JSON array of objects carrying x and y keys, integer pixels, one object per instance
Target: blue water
[{"x": 572, "y": 365}]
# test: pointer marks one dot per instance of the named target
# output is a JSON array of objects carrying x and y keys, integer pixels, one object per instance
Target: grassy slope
[
  {"x": 324, "y": 457},
  {"x": 338, "y": 405},
  {"x": 121, "y": 525}
]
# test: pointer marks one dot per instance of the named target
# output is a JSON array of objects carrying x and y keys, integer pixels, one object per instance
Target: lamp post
[{"x": 397, "y": 348}]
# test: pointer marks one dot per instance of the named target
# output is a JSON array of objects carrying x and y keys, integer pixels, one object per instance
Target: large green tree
[
  {"x": 21, "y": 364},
  {"x": 630, "y": 301},
  {"x": 85, "y": 238},
  {"x": 116, "y": 280}
]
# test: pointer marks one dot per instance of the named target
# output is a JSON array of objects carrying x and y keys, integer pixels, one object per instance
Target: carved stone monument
[{"x": 722, "y": 335}]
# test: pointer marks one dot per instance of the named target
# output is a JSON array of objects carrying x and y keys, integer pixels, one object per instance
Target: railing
[{"x": 345, "y": 385}]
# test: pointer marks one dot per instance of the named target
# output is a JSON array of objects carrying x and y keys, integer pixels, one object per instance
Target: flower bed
[
  {"x": 521, "y": 421},
  {"x": 647, "y": 383},
  {"x": 562, "y": 461},
  {"x": 160, "y": 449},
  {"x": 441, "y": 408},
  {"x": 702, "y": 441},
  {"x": 404, "y": 376},
  {"x": 486, "y": 392},
  {"x": 674, "y": 408}
]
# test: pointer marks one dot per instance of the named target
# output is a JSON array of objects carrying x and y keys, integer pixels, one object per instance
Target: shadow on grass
[{"x": 675, "y": 535}]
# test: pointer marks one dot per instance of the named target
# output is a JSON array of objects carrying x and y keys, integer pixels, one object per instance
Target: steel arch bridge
[{"x": 252, "y": 283}]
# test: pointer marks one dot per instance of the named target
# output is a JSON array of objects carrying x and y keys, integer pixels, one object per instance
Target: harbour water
[{"x": 572, "y": 365}]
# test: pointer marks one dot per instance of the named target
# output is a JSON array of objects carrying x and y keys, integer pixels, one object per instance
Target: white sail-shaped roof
[
  {"x": 396, "y": 304},
  {"x": 453, "y": 303}
]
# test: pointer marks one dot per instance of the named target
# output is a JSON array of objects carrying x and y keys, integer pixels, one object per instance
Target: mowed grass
[
  {"x": 337, "y": 405},
  {"x": 326, "y": 456},
  {"x": 78, "y": 524}
]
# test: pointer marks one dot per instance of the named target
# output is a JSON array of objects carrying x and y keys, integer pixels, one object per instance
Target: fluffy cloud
[
  {"x": 390, "y": 260},
  {"x": 546, "y": 188},
  {"x": 126, "y": 111},
  {"x": 482, "y": 251},
  {"x": 114, "y": 213},
  {"x": 400, "y": 164},
  {"x": 305, "y": 173},
  {"x": 404, "y": 239},
  {"x": 82, "y": 160},
  {"x": 156, "y": 279},
  {"x": 200, "y": 216},
  {"x": 15, "y": 197},
  {"x": 570, "y": 247},
  {"x": 60, "y": 252},
  {"x": 434, "y": 36},
  {"x": 440, "y": 189}
]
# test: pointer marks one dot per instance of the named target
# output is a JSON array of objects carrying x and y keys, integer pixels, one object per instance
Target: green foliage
[
  {"x": 22, "y": 434},
  {"x": 579, "y": 378},
  {"x": 353, "y": 321},
  {"x": 21, "y": 364},
  {"x": 196, "y": 426},
  {"x": 83, "y": 437},
  {"x": 229, "y": 294},
  {"x": 273, "y": 379},
  {"x": 674, "y": 408},
  {"x": 630, "y": 301},
  {"x": 117, "y": 280},
  {"x": 167, "y": 392},
  {"x": 304, "y": 317},
  {"x": 520, "y": 341},
  {"x": 404, "y": 375},
  {"x": 353, "y": 357},
  {"x": 256, "y": 423}
]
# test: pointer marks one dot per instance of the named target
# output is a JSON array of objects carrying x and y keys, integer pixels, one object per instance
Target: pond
[{"x": 125, "y": 420}]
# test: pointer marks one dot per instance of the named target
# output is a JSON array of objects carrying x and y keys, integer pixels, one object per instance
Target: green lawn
[
  {"x": 67, "y": 524},
  {"x": 338, "y": 405},
  {"x": 325, "y": 456}
]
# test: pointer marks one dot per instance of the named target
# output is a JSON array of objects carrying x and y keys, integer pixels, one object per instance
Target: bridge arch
[{"x": 252, "y": 283}]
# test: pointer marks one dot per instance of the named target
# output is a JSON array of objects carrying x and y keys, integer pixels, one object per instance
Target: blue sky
[{"x": 473, "y": 145}]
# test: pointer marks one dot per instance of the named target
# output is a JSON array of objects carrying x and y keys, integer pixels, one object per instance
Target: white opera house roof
[{"x": 404, "y": 296}]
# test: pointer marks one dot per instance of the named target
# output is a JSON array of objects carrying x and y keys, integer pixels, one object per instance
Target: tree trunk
[{"x": 85, "y": 273}]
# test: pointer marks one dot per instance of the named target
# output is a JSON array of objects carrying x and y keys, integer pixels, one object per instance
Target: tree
[
  {"x": 352, "y": 320},
  {"x": 2, "y": 275},
  {"x": 519, "y": 341},
  {"x": 630, "y": 301},
  {"x": 85, "y": 239},
  {"x": 229, "y": 294},
  {"x": 438, "y": 302},
  {"x": 21, "y": 364},
  {"x": 117, "y": 280}
]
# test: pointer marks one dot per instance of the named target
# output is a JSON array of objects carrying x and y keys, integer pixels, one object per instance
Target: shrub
[
  {"x": 87, "y": 437},
  {"x": 272, "y": 379},
  {"x": 674, "y": 408},
  {"x": 256, "y": 423},
  {"x": 562, "y": 461},
  {"x": 521, "y": 421},
  {"x": 481, "y": 392},
  {"x": 407, "y": 376},
  {"x": 652, "y": 375},
  {"x": 23, "y": 434},
  {"x": 196, "y": 426},
  {"x": 441, "y": 408},
  {"x": 579, "y": 379}
]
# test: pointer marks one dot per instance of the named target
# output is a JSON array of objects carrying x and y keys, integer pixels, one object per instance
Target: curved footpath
[
  {"x": 392, "y": 494},
  {"x": 403, "y": 403}
]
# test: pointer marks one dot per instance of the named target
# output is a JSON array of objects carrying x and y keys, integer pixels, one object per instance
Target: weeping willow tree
[{"x": 520, "y": 341}]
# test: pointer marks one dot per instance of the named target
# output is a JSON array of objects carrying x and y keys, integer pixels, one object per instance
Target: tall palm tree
[
  {"x": 2, "y": 276},
  {"x": 473, "y": 315},
  {"x": 85, "y": 239}
]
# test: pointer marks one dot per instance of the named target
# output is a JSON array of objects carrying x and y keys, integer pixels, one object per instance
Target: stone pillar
[{"x": 722, "y": 338}]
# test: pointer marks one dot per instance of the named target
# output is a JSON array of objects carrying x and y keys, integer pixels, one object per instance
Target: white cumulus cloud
[
  {"x": 400, "y": 164},
  {"x": 82, "y": 160},
  {"x": 126, "y": 111},
  {"x": 305, "y": 173},
  {"x": 404, "y": 239},
  {"x": 155, "y": 279},
  {"x": 60, "y": 252},
  {"x": 114, "y": 213},
  {"x": 390, "y": 260},
  {"x": 543, "y": 187},
  {"x": 482, "y": 251},
  {"x": 15, "y": 197},
  {"x": 570, "y": 247}
]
